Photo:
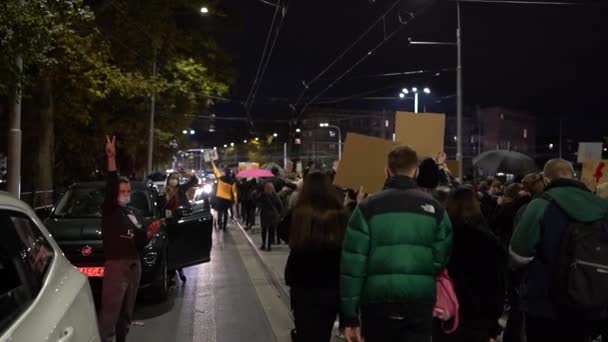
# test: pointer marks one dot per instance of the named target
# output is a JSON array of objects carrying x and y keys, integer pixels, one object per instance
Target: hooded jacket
[
  {"x": 537, "y": 239},
  {"x": 396, "y": 243}
]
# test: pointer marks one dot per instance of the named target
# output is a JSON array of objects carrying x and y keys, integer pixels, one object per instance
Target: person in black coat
[
  {"x": 317, "y": 227},
  {"x": 504, "y": 215},
  {"x": 270, "y": 214},
  {"x": 477, "y": 267}
]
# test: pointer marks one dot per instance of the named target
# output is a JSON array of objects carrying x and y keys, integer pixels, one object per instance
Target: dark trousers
[
  {"x": 222, "y": 219},
  {"x": 405, "y": 322},
  {"x": 516, "y": 328},
  {"x": 249, "y": 213},
  {"x": 268, "y": 235},
  {"x": 314, "y": 311},
  {"x": 542, "y": 329},
  {"x": 120, "y": 284}
]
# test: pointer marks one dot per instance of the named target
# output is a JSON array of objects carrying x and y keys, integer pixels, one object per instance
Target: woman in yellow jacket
[{"x": 226, "y": 194}]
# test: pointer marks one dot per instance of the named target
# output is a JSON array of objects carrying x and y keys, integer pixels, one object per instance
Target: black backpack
[{"x": 581, "y": 269}]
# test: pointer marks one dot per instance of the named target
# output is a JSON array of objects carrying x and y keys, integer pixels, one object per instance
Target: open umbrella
[
  {"x": 269, "y": 166},
  {"x": 510, "y": 162},
  {"x": 254, "y": 173}
]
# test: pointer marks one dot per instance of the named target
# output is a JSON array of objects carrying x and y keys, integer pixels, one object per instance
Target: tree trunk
[{"x": 44, "y": 174}]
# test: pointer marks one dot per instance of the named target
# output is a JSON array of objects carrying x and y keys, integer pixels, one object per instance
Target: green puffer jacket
[{"x": 396, "y": 243}]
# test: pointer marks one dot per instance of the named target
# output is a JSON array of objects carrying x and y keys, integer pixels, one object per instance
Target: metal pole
[
  {"x": 285, "y": 156},
  {"x": 339, "y": 143},
  {"x": 560, "y": 137},
  {"x": 151, "y": 128},
  {"x": 459, "y": 103},
  {"x": 14, "y": 134},
  {"x": 415, "y": 102}
]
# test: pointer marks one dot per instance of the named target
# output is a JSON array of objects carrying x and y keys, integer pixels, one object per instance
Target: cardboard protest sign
[
  {"x": 589, "y": 150},
  {"x": 213, "y": 155},
  {"x": 595, "y": 172},
  {"x": 363, "y": 163},
  {"x": 424, "y": 132},
  {"x": 248, "y": 165}
]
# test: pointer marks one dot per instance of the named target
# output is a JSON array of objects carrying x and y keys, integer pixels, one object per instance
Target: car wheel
[{"x": 161, "y": 283}]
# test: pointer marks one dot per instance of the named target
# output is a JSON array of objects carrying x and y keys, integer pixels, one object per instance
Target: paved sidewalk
[{"x": 275, "y": 261}]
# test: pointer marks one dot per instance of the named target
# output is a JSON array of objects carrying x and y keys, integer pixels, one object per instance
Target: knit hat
[{"x": 428, "y": 174}]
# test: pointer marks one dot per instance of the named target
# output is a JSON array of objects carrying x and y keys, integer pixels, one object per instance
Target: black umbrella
[{"x": 510, "y": 162}]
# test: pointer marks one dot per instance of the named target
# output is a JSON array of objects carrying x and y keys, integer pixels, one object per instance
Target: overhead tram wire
[
  {"x": 261, "y": 64},
  {"x": 412, "y": 16},
  {"x": 274, "y": 41},
  {"x": 361, "y": 60},
  {"x": 308, "y": 84}
]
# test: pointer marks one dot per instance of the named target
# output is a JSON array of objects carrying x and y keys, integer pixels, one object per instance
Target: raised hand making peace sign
[{"x": 110, "y": 147}]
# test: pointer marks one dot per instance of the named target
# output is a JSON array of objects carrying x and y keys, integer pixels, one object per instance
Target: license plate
[{"x": 92, "y": 271}]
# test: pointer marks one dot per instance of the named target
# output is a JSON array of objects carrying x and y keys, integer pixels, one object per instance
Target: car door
[
  {"x": 42, "y": 296},
  {"x": 190, "y": 234}
]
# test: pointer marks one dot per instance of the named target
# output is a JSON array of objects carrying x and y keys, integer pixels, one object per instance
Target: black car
[{"x": 185, "y": 240}]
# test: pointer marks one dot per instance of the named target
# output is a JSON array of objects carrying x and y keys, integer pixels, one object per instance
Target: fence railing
[{"x": 39, "y": 199}]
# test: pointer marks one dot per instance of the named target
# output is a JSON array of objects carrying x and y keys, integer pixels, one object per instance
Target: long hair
[
  {"x": 170, "y": 191},
  {"x": 463, "y": 207},
  {"x": 319, "y": 218}
]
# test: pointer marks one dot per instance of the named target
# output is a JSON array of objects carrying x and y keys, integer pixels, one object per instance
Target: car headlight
[{"x": 207, "y": 188}]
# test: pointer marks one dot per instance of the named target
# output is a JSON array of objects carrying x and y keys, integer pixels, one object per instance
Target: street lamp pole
[
  {"x": 459, "y": 103},
  {"x": 15, "y": 133},
  {"x": 151, "y": 126}
]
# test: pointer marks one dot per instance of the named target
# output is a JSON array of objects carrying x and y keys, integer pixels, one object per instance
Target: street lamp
[
  {"x": 231, "y": 144},
  {"x": 275, "y": 135},
  {"x": 325, "y": 124},
  {"x": 225, "y": 146},
  {"x": 204, "y": 10},
  {"x": 185, "y": 131},
  {"x": 244, "y": 141},
  {"x": 191, "y": 131},
  {"x": 414, "y": 90},
  {"x": 298, "y": 130}
]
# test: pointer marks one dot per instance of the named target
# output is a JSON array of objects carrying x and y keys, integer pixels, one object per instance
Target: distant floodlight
[
  {"x": 275, "y": 135},
  {"x": 225, "y": 145},
  {"x": 405, "y": 91},
  {"x": 415, "y": 90},
  {"x": 298, "y": 130},
  {"x": 185, "y": 131},
  {"x": 231, "y": 144},
  {"x": 191, "y": 131},
  {"x": 204, "y": 10},
  {"x": 401, "y": 95},
  {"x": 244, "y": 141},
  {"x": 427, "y": 90}
]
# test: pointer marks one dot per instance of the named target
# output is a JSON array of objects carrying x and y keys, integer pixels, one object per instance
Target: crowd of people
[
  {"x": 532, "y": 250},
  {"x": 373, "y": 260}
]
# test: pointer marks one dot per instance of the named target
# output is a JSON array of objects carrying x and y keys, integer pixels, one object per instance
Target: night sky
[{"x": 548, "y": 60}]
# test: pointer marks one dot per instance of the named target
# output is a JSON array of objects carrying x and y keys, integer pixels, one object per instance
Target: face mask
[
  {"x": 173, "y": 182},
  {"x": 123, "y": 200}
]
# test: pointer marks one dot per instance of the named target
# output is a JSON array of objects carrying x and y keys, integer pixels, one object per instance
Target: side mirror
[{"x": 44, "y": 212}]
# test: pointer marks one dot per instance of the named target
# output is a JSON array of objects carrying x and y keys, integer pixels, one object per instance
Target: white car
[{"x": 42, "y": 296}]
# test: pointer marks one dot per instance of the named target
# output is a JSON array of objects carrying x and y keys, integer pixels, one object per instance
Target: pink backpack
[{"x": 446, "y": 306}]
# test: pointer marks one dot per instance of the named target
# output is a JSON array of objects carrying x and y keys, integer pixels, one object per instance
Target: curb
[{"x": 274, "y": 276}]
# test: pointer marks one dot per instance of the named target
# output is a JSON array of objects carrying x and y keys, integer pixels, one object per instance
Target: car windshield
[{"x": 86, "y": 203}]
